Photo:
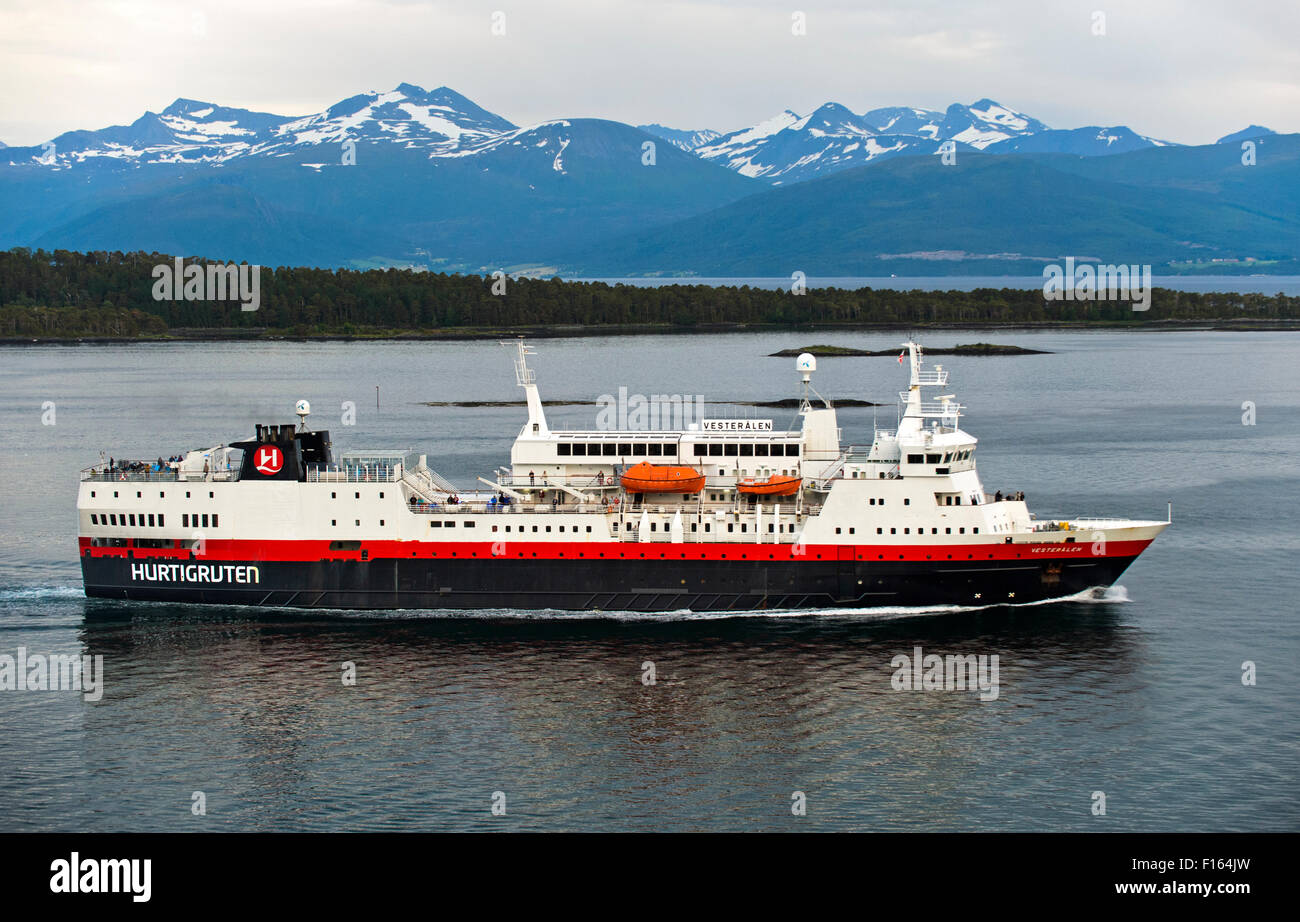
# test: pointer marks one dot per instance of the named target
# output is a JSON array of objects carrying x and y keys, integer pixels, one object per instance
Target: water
[
  {"x": 1138, "y": 695},
  {"x": 1253, "y": 284}
]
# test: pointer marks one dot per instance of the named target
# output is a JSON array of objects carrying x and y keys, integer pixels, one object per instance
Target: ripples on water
[{"x": 1136, "y": 693}]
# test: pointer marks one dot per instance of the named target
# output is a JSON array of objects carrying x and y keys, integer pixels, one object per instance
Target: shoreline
[{"x": 565, "y": 331}]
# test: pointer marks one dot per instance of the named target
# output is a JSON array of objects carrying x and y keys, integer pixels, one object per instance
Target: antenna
[{"x": 303, "y": 409}]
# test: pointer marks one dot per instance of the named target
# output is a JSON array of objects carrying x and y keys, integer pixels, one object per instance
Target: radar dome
[
  {"x": 805, "y": 362},
  {"x": 302, "y": 408}
]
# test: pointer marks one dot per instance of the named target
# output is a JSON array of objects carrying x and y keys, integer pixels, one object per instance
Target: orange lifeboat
[
  {"x": 772, "y": 486},
  {"x": 661, "y": 478}
]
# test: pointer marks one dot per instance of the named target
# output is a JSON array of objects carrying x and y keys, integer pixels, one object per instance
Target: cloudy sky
[{"x": 1185, "y": 70}]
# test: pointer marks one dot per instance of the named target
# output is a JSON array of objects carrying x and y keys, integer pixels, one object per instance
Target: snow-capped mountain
[
  {"x": 1246, "y": 134},
  {"x": 1092, "y": 141},
  {"x": 441, "y": 121},
  {"x": 789, "y": 147},
  {"x": 683, "y": 139}
]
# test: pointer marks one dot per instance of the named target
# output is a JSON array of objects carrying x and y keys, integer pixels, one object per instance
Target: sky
[{"x": 1188, "y": 71}]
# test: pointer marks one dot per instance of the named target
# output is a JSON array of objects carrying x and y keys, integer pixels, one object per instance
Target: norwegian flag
[{"x": 901, "y": 355}]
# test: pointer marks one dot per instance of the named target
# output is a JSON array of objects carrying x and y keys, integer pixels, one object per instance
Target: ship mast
[
  {"x": 526, "y": 378},
  {"x": 915, "y": 408}
]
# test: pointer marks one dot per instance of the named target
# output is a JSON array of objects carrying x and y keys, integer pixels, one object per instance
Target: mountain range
[{"x": 429, "y": 178}]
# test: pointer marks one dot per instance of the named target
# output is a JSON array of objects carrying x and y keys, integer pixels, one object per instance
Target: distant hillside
[{"x": 989, "y": 215}]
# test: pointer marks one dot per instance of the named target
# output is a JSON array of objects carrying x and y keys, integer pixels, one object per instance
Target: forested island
[{"x": 65, "y": 295}]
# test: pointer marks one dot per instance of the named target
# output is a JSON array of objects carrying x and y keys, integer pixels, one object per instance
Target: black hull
[{"x": 614, "y": 585}]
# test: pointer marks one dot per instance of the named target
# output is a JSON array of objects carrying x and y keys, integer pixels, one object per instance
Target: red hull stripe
[{"x": 300, "y": 551}]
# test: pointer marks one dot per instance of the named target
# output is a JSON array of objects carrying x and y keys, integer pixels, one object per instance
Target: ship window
[
  {"x": 961, "y": 531},
  {"x": 381, "y": 494},
  {"x": 850, "y": 531},
  {"x": 468, "y": 523},
  {"x": 957, "y": 501},
  {"x": 837, "y": 531},
  {"x": 494, "y": 528},
  {"x": 449, "y": 523},
  {"x": 160, "y": 519},
  {"x": 881, "y": 502},
  {"x": 133, "y": 519},
  {"x": 161, "y": 495},
  {"x": 579, "y": 448},
  {"x": 915, "y": 459},
  {"x": 907, "y": 531},
  {"x": 185, "y": 520},
  {"x": 947, "y": 531},
  {"x": 761, "y": 450},
  {"x": 976, "y": 529},
  {"x": 92, "y": 493},
  {"x": 548, "y": 529},
  {"x": 433, "y": 524},
  {"x": 893, "y": 531},
  {"x": 731, "y": 527},
  {"x": 670, "y": 449},
  {"x": 771, "y": 528},
  {"x": 931, "y": 459},
  {"x": 700, "y": 452},
  {"x": 715, "y": 449},
  {"x": 656, "y": 448},
  {"x": 151, "y": 520},
  {"x": 695, "y": 526},
  {"x": 625, "y": 448},
  {"x": 563, "y": 448},
  {"x": 654, "y": 526},
  {"x": 792, "y": 450},
  {"x": 934, "y": 531},
  {"x": 588, "y": 528},
  {"x": 880, "y": 531},
  {"x": 872, "y": 501},
  {"x": 747, "y": 451},
  {"x": 638, "y": 449},
  {"x": 137, "y": 494},
  {"x": 214, "y": 520},
  {"x": 730, "y": 450},
  {"x": 534, "y": 528},
  {"x": 356, "y": 495},
  {"x": 941, "y": 470},
  {"x": 615, "y": 526},
  {"x": 706, "y": 527},
  {"x": 94, "y": 520},
  {"x": 907, "y": 501},
  {"x": 209, "y": 494},
  {"x": 332, "y": 495},
  {"x": 335, "y": 522},
  {"x": 607, "y": 449}
]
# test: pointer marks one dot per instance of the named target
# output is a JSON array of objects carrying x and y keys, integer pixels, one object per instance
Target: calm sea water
[
  {"x": 1256, "y": 284},
  {"x": 1138, "y": 696}
]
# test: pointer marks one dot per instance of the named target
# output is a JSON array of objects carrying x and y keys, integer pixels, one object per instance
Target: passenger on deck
[{"x": 997, "y": 497}]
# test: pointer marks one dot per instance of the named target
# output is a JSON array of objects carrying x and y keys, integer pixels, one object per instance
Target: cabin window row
[
  {"x": 747, "y": 449},
  {"x": 616, "y": 449},
  {"x": 941, "y": 457},
  {"x": 128, "y": 519}
]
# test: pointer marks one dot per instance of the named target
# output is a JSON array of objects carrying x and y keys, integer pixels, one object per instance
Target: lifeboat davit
[
  {"x": 772, "y": 486},
  {"x": 661, "y": 478}
]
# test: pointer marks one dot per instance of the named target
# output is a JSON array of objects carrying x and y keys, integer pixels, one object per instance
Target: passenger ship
[{"x": 723, "y": 515}]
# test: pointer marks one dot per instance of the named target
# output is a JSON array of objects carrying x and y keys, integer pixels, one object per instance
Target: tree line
[{"x": 66, "y": 293}]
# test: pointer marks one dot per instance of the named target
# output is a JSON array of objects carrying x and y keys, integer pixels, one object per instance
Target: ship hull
[{"x": 627, "y": 584}]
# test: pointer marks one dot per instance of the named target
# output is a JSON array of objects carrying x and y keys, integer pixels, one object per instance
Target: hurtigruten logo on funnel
[{"x": 268, "y": 460}]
